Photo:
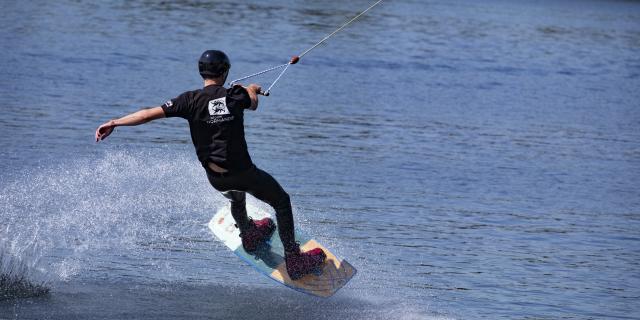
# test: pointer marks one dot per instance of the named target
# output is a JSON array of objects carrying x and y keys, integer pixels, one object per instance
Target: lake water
[{"x": 472, "y": 159}]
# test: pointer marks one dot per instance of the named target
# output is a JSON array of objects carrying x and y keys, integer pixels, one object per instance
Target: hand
[
  {"x": 255, "y": 88},
  {"x": 105, "y": 130}
]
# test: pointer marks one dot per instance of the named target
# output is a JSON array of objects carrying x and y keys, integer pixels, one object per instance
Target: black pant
[{"x": 261, "y": 185}]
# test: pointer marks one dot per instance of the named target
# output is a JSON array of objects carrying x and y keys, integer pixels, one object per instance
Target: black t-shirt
[{"x": 216, "y": 121}]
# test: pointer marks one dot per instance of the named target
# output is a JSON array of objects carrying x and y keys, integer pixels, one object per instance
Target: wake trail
[{"x": 56, "y": 217}]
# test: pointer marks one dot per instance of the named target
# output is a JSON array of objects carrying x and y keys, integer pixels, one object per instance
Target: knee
[
  {"x": 283, "y": 201},
  {"x": 236, "y": 197}
]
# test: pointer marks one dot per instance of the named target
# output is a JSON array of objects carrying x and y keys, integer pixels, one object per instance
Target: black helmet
[{"x": 213, "y": 64}]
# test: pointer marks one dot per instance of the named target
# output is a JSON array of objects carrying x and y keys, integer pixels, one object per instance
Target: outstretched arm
[
  {"x": 133, "y": 119},
  {"x": 253, "y": 90}
]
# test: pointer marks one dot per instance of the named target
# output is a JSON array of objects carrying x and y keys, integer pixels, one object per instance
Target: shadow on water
[{"x": 187, "y": 301}]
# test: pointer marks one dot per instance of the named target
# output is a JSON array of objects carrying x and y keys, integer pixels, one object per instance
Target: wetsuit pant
[{"x": 264, "y": 187}]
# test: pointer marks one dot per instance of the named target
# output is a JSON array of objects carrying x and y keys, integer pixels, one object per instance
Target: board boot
[
  {"x": 257, "y": 232},
  {"x": 302, "y": 263}
]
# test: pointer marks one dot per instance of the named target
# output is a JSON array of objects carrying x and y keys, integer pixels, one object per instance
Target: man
[{"x": 216, "y": 120}]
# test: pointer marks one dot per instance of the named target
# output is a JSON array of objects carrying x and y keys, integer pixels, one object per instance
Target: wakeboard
[{"x": 269, "y": 258}]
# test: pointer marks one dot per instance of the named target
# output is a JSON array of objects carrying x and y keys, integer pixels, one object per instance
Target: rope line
[
  {"x": 337, "y": 30},
  {"x": 266, "y": 93},
  {"x": 258, "y": 73},
  {"x": 295, "y": 59}
]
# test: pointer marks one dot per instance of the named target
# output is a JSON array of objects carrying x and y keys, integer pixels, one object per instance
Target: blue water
[{"x": 473, "y": 160}]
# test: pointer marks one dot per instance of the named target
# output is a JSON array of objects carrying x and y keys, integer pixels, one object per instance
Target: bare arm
[
  {"x": 133, "y": 119},
  {"x": 253, "y": 90}
]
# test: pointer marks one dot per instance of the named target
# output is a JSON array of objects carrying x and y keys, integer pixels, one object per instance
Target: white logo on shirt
[
  {"x": 218, "y": 107},
  {"x": 169, "y": 104}
]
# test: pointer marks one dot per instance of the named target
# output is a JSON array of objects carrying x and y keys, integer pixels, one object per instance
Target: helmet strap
[{"x": 224, "y": 76}]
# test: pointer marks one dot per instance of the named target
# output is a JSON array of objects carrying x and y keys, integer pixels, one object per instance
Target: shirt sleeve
[
  {"x": 240, "y": 96},
  {"x": 179, "y": 106}
]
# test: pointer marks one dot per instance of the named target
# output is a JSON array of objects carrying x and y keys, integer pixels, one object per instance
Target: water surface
[{"x": 473, "y": 160}]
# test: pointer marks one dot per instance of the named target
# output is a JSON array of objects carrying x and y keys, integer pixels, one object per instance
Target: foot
[
  {"x": 303, "y": 263},
  {"x": 258, "y": 232}
]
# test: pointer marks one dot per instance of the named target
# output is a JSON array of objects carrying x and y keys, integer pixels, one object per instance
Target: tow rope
[{"x": 297, "y": 58}]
